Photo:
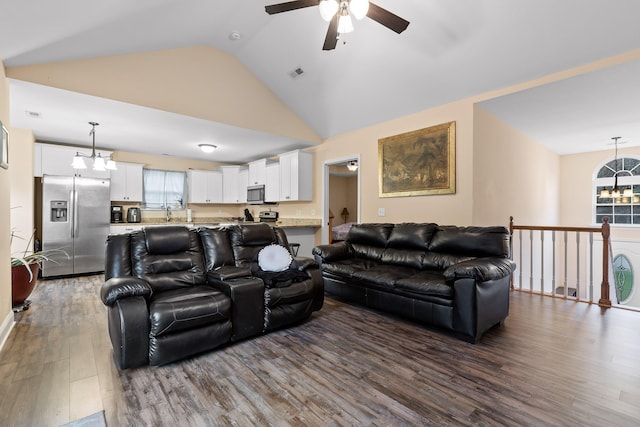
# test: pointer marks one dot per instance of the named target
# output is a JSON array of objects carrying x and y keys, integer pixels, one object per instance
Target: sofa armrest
[
  {"x": 481, "y": 269},
  {"x": 332, "y": 252},
  {"x": 228, "y": 272},
  {"x": 304, "y": 263},
  {"x": 123, "y": 287}
]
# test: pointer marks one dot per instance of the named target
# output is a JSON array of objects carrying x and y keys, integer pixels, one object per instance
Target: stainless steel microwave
[{"x": 255, "y": 194}]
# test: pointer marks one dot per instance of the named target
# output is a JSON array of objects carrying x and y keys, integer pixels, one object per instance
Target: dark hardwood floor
[{"x": 554, "y": 362}]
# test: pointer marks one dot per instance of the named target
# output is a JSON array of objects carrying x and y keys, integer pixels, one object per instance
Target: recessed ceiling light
[
  {"x": 207, "y": 148},
  {"x": 235, "y": 36}
]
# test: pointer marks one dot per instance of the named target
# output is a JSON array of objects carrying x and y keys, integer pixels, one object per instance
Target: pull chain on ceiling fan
[{"x": 338, "y": 14}]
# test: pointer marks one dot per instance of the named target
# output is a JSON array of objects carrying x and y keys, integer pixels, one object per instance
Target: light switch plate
[{"x": 381, "y": 212}]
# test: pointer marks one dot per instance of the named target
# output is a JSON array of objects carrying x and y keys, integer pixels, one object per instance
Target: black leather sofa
[
  {"x": 173, "y": 292},
  {"x": 455, "y": 278}
]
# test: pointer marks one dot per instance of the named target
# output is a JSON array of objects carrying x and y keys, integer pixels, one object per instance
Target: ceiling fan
[{"x": 338, "y": 14}]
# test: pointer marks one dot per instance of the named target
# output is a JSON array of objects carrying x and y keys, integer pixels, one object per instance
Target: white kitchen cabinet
[
  {"x": 243, "y": 183},
  {"x": 126, "y": 182},
  {"x": 258, "y": 172},
  {"x": 296, "y": 171},
  {"x": 272, "y": 183},
  {"x": 51, "y": 159},
  {"x": 232, "y": 187},
  {"x": 205, "y": 186}
]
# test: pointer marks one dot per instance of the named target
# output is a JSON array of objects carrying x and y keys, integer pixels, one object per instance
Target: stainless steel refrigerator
[{"x": 75, "y": 218}]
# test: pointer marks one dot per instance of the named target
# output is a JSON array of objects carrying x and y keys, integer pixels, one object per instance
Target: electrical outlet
[
  {"x": 313, "y": 212},
  {"x": 381, "y": 212},
  {"x": 298, "y": 212}
]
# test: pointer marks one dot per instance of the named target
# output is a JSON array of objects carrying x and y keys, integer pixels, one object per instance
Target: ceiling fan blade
[
  {"x": 290, "y": 5},
  {"x": 331, "y": 40},
  {"x": 386, "y": 18}
]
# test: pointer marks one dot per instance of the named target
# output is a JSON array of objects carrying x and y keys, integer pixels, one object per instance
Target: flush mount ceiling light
[
  {"x": 615, "y": 191},
  {"x": 99, "y": 162},
  {"x": 207, "y": 148},
  {"x": 339, "y": 12},
  {"x": 352, "y": 166}
]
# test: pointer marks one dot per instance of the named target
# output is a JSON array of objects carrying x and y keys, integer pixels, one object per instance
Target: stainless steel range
[{"x": 268, "y": 216}]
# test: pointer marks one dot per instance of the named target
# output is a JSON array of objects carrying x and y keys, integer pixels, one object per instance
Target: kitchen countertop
[{"x": 282, "y": 222}]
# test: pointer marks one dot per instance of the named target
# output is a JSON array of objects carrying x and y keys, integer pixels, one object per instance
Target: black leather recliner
[{"x": 173, "y": 292}]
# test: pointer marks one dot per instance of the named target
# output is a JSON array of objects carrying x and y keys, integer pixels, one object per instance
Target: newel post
[
  {"x": 605, "y": 300},
  {"x": 511, "y": 249}
]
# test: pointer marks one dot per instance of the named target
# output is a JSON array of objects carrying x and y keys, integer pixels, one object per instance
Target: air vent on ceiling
[
  {"x": 296, "y": 73},
  {"x": 33, "y": 114}
]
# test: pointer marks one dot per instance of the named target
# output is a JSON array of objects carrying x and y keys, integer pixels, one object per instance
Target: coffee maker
[{"x": 116, "y": 214}]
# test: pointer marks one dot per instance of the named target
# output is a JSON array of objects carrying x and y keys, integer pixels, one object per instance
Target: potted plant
[{"x": 25, "y": 267}]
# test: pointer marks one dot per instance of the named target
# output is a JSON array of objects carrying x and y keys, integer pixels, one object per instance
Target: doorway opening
[{"x": 341, "y": 197}]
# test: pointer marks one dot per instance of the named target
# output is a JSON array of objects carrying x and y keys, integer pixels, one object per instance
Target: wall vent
[{"x": 33, "y": 114}]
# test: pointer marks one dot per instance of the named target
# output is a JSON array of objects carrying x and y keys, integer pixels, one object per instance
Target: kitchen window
[{"x": 164, "y": 189}]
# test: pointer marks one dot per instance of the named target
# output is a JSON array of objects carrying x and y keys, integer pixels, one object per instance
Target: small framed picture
[{"x": 4, "y": 148}]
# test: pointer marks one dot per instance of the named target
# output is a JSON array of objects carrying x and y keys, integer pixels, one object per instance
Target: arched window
[{"x": 623, "y": 209}]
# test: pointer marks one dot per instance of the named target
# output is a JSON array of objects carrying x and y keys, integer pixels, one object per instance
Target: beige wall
[
  {"x": 21, "y": 173},
  {"x": 513, "y": 175},
  {"x": 197, "y": 81},
  {"x": 5, "y": 227}
]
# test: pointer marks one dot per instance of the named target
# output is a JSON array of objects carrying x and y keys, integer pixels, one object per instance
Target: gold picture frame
[{"x": 418, "y": 163}]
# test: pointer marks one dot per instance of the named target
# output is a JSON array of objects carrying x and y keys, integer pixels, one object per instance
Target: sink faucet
[{"x": 168, "y": 213}]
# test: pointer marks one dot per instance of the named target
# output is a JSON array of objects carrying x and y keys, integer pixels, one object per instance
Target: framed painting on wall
[
  {"x": 418, "y": 163},
  {"x": 4, "y": 148}
]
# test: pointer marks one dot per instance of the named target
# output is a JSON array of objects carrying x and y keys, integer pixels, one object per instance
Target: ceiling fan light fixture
[
  {"x": 345, "y": 24},
  {"x": 352, "y": 166},
  {"x": 328, "y": 9},
  {"x": 359, "y": 8}
]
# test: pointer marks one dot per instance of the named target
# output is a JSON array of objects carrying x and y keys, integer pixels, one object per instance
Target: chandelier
[
  {"x": 345, "y": 8},
  {"x": 99, "y": 162},
  {"x": 615, "y": 191}
]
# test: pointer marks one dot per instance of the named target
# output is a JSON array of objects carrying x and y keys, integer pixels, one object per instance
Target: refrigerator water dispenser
[{"x": 59, "y": 211}]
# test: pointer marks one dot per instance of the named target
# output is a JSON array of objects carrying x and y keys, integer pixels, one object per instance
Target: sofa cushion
[
  {"x": 166, "y": 240},
  {"x": 437, "y": 261},
  {"x": 296, "y": 292},
  {"x": 217, "y": 247},
  {"x": 346, "y": 268},
  {"x": 408, "y": 258},
  {"x": 369, "y": 252},
  {"x": 369, "y": 234},
  {"x": 384, "y": 275},
  {"x": 471, "y": 241},
  {"x": 431, "y": 283},
  {"x": 408, "y": 236},
  {"x": 247, "y": 241},
  {"x": 183, "y": 309}
]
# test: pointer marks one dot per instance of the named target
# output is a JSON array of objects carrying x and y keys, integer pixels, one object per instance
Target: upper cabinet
[
  {"x": 258, "y": 172},
  {"x": 205, "y": 186},
  {"x": 296, "y": 176},
  {"x": 234, "y": 184},
  {"x": 50, "y": 159},
  {"x": 272, "y": 183},
  {"x": 126, "y": 182}
]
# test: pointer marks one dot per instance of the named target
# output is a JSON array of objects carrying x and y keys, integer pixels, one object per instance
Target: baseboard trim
[{"x": 5, "y": 328}]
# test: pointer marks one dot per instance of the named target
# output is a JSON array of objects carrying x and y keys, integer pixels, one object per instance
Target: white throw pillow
[{"x": 274, "y": 258}]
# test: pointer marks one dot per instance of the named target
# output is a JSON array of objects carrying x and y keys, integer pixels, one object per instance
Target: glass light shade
[
  {"x": 345, "y": 25},
  {"x": 207, "y": 148},
  {"x": 615, "y": 193},
  {"x": 628, "y": 192},
  {"x": 352, "y": 166},
  {"x": 111, "y": 165},
  {"x": 604, "y": 194},
  {"x": 359, "y": 8},
  {"x": 98, "y": 163},
  {"x": 328, "y": 9},
  {"x": 78, "y": 162}
]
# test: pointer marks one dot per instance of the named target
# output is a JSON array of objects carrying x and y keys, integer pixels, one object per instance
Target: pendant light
[
  {"x": 99, "y": 162},
  {"x": 615, "y": 191}
]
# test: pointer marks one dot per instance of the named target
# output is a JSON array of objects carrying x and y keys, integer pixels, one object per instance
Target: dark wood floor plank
[{"x": 554, "y": 362}]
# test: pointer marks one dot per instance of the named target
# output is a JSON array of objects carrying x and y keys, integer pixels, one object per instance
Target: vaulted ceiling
[{"x": 450, "y": 51}]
